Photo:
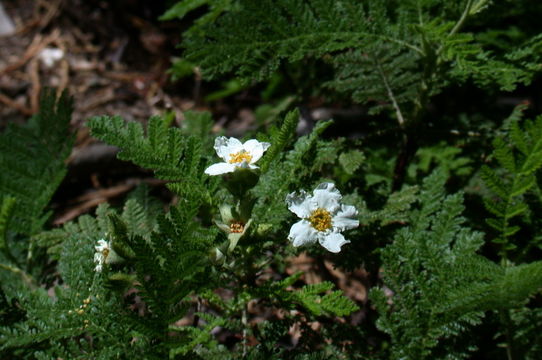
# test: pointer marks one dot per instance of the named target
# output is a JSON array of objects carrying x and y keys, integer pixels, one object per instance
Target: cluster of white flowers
[
  {"x": 102, "y": 252},
  {"x": 323, "y": 217}
]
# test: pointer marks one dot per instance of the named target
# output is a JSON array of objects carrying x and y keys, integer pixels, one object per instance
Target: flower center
[
  {"x": 237, "y": 227},
  {"x": 105, "y": 252},
  {"x": 320, "y": 219},
  {"x": 240, "y": 156}
]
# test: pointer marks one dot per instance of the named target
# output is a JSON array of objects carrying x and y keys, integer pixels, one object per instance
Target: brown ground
[{"x": 115, "y": 62}]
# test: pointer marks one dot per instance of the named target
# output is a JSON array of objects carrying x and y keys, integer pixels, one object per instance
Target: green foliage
[
  {"x": 168, "y": 255},
  {"x": 384, "y": 53},
  {"x": 396, "y": 209},
  {"x": 422, "y": 265},
  {"x": 438, "y": 286},
  {"x": 180, "y": 9},
  {"x": 174, "y": 155},
  {"x": 371, "y": 73},
  {"x": 309, "y": 297},
  {"x": 6, "y": 211},
  {"x": 287, "y": 29},
  {"x": 280, "y": 138},
  {"x": 199, "y": 337},
  {"x": 528, "y": 332},
  {"x": 502, "y": 288},
  {"x": 32, "y": 164},
  {"x": 449, "y": 158},
  {"x": 78, "y": 306},
  {"x": 351, "y": 161},
  {"x": 333, "y": 303},
  {"x": 519, "y": 154}
]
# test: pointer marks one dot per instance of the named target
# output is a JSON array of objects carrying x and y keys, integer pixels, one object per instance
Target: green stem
[
  {"x": 400, "y": 118},
  {"x": 458, "y": 25},
  {"x": 26, "y": 277},
  {"x": 505, "y": 320},
  {"x": 462, "y": 19},
  {"x": 245, "y": 325}
]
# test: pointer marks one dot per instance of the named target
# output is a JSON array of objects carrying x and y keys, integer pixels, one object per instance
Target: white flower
[
  {"x": 102, "y": 251},
  {"x": 49, "y": 56},
  {"x": 236, "y": 155},
  {"x": 323, "y": 217}
]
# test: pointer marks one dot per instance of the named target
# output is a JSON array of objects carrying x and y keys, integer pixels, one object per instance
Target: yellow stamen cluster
[
  {"x": 105, "y": 252},
  {"x": 237, "y": 227},
  {"x": 320, "y": 219},
  {"x": 240, "y": 157}
]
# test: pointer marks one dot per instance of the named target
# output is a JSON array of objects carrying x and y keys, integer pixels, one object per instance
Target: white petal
[
  {"x": 224, "y": 147},
  {"x": 220, "y": 168},
  {"x": 98, "y": 268},
  {"x": 299, "y": 204},
  {"x": 255, "y": 149},
  {"x": 302, "y": 233},
  {"x": 346, "y": 218},
  {"x": 250, "y": 166},
  {"x": 102, "y": 245},
  {"x": 326, "y": 196},
  {"x": 98, "y": 258},
  {"x": 333, "y": 242}
]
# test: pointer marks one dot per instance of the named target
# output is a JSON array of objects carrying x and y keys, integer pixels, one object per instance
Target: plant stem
[
  {"x": 457, "y": 25},
  {"x": 245, "y": 324},
  {"x": 462, "y": 19},
  {"x": 26, "y": 277},
  {"x": 505, "y": 320},
  {"x": 400, "y": 118}
]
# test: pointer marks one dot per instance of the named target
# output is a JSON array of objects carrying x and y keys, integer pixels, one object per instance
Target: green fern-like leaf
[
  {"x": 422, "y": 265},
  {"x": 33, "y": 161},
  {"x": 396, "y": 208},
  {"x": 505, "y": 288},
  {"x": 197, "y": 337},
  {"x": 351, "y": 161},
  {"x": 172, "y": 153},
  {"x": 520, "y": 157},
  {"x": 280, "y": 138}
]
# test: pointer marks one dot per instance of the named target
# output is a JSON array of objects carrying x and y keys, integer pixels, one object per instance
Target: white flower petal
[
  {"x": 49, "y": 56},
  {"x": 250, "y": 166},
  {"x": 333, "y": 242},
  {"x": 102, "y": 245},
  {"x": 302, "y": 233},
  {"x": 220, "y": 168},
  {"x": 224, "y": 147},
  {"x": 98, "y": 268},
  {"x": 326, "y": 196},
  {"x": 255, "y": 149},
  {"x": 299, "y": 204},
  {"x": 346, "y": 218}
]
